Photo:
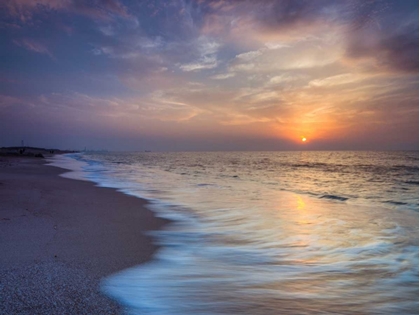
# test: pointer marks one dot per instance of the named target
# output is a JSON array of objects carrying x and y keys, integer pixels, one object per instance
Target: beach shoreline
[{"x": 60, "y": 237}]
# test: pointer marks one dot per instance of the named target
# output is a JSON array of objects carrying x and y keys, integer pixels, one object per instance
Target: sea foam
[{"x": 239, "y": 246}]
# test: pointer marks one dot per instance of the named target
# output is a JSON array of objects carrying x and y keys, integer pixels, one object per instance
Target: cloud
[
  {"x": 384, "y": 37},
  {"x": 395, "y": 51},
  {"x": 269, "y": 21},
  {"x": 300, "y": 55},
  {"x": 401, "y": 51},
  {"x": 274, "y": 45},
  {"x": 222, "y": 76},
  {"x": 207, "y": 49},
  {"x": 99, "y": 9},
  {"x": 286, "y": 15},
  {"x": 35, "y": 46},
  {"x": 152, "y": 108},
  {"x": 286, "y": 78},
  {"x": 250, "y": 55},
  {"x": 273, "y": 67},
  {"x": 206, "y": 62},
  {"x": 24, "y": 10},
  {"x": 339, "y": 79},
  {"x": 6, "y": 100}
]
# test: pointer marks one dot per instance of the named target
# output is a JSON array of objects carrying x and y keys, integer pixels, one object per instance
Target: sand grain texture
[{"x": 59, "y": 237}]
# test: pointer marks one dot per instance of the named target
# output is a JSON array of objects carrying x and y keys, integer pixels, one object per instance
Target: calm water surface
[{"x": 270, "y": 232}]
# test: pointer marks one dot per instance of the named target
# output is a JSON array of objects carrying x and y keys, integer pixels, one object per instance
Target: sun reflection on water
[{"x": 300, "y": 203}]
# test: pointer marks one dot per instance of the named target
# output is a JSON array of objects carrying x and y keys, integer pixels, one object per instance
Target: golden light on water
[{"x": 300, "y": 203}]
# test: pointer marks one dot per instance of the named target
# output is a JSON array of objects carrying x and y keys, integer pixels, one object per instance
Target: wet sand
[{"x": 59, "y": 237}]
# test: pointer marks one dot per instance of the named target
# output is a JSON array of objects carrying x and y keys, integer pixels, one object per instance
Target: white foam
[
  {"x": 236, "y": 245},
  {"x": 68, "y": 162}
]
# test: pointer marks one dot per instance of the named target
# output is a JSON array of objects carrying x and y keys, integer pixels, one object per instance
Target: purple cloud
[
  {"x": 24, "y": 10},
  {"x": 33, "y": 45}
]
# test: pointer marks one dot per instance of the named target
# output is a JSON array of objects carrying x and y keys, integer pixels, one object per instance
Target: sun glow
[{"x": 303, "y": 139}]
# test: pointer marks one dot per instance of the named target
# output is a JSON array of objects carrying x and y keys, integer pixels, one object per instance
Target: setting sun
[{"x": 303, "y": 139}]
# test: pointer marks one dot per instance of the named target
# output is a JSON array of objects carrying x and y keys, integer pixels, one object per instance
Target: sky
[{"x": 210, "y": 75}]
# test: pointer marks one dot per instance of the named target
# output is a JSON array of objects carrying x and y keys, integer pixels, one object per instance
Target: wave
[
  {"x": 309, "y": 165},
  {"x": 334, "y": 197},
  {"x": 397, "y": 203},
  {"x": 412, "y": 182},
  {"x": 224, "y": 253},
  {"x": 406, "y": 168}
]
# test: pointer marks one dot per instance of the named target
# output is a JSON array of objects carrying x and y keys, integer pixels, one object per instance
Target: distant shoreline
[
  {"x": 60, "y": 237},
  {"x": 32, "y": 151}
]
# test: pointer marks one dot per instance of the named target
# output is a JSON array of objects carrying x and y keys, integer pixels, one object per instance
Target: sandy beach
[{"x": 59, "y": 237}]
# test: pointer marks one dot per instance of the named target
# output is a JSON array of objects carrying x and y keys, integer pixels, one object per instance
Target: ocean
[{"x": 269, "y": 232}]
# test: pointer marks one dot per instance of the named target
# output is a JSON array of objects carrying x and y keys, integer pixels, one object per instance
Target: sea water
[{"x": 269, "y": 232}]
